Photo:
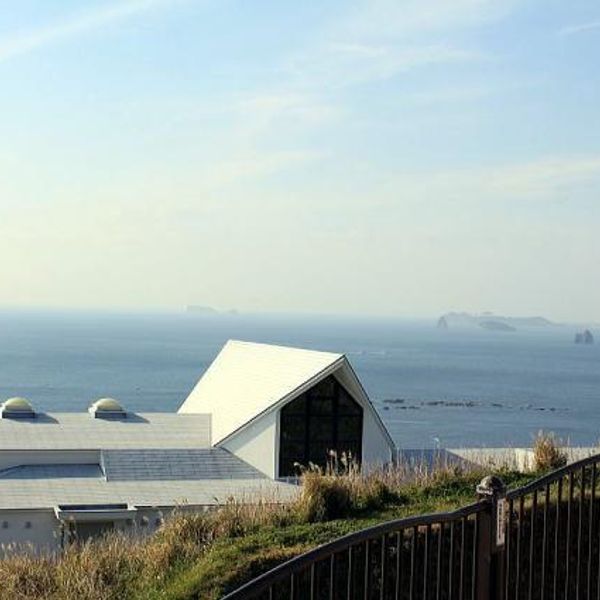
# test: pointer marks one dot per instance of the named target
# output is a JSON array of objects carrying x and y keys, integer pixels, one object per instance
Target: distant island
[
  {"x": 584, "y": 337},
  {"x": 208, "y": 310},
  {"x": 490, "y": 321},
  {"x": 496, "y": 326}
]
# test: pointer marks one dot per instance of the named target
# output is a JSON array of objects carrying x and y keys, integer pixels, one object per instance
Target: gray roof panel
[
  {"x": 80, "y": 431},
  {"x": 175, "y": 464}
]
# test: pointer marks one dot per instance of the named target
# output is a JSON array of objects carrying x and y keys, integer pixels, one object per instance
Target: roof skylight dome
[
  {"x": 16, "y": 408},
  {"x": 107, "y": 408}
]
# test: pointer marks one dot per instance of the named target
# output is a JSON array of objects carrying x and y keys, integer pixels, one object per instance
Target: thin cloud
[
  {"x": 28, "y": 41},
  {"x": 582, "y": 28}
]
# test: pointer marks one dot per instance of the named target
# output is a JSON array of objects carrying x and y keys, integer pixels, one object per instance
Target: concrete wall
[
  {"x": 521, "y": 459},
  {"x": 258, "y": 444},
  {"x": 38, "y": 531}
]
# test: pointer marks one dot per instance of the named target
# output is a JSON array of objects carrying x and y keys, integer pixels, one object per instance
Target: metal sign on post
[{"x": 501, "y": 514}]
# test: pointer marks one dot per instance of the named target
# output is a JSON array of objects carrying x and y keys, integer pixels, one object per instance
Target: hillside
[{"x": 204, "y": 556}]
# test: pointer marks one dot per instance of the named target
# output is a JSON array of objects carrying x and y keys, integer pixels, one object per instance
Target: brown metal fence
[{"x": 537, "y": 542}]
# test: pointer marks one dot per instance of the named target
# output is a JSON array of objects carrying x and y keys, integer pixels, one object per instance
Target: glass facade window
[{"x": 323, "y": 419}]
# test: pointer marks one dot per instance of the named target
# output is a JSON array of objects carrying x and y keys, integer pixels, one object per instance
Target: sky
[{"x": 389, "y": 157}]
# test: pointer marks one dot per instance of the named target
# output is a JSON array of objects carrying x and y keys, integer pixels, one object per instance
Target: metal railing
[{"x": 537, "y": 542}]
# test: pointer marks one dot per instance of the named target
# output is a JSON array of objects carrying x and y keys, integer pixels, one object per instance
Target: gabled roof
[{"x": 246, "y": 379}]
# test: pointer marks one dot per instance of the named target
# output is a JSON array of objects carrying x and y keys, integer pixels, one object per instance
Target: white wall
[
  {"x": 257, "y": 444},
  {"x": 36, "y": 531},
  {"x": 376, "y": 447}
]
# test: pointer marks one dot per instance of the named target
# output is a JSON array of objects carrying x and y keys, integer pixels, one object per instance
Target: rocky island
[
  {"x": 584, "y": 337},
  {"x": 490, "y": 321}
]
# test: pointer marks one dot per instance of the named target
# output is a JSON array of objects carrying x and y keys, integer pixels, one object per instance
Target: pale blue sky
[{"x": 386, "y": 157}]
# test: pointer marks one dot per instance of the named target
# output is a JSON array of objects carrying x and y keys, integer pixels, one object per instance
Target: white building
[{"x": 257, "y": 411}]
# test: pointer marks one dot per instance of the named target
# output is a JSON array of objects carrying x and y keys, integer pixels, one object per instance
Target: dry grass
[{"x": 547, "y": 453}]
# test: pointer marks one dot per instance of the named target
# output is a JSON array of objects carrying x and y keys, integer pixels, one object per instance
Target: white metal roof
[
  {"x": 246, "y": 379},
  {"x": 80, "y": 431}
]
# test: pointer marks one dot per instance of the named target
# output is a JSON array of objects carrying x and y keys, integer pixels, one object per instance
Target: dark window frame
[{"x": 302, "y": 408}]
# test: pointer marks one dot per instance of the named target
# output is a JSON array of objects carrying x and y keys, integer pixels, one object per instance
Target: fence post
[{"x": 491, "y": 534}]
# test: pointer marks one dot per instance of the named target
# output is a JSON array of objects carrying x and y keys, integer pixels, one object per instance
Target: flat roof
[
  {"x": 81, "y": 431},
  {"x": 26, "y": 494}
]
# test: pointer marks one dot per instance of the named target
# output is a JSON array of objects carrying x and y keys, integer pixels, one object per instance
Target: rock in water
[{"x": 584, "y": 337}]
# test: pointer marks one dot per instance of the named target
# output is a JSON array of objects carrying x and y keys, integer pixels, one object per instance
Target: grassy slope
[{"x": 229, "y": 562}]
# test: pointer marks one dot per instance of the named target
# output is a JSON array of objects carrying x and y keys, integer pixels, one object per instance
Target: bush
[
  {"x": 547, "y": 454},
  {"x": 323, "y": 497}
]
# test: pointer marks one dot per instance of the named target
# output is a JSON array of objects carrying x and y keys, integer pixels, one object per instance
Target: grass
[
  {"x": 547, "y": 453},
  {"x": 206, "y": 555}
]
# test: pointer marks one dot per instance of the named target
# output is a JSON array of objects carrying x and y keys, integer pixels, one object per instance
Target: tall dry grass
[{"x": 547, "y": 452}]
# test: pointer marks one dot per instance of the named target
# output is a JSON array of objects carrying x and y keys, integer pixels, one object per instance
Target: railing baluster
[
  {"x": 399, "y": 540},
  {"x": 545, "y": 539},
  {"x": 292, "y": 581},
  {"x": 451, "y": 561},
  {"x": 438, "y": 575},
  {"x": 383, "y": 570},
  {"x": 367, "y": 570},
  {"x": 580, "y": 532},
  {"x": 413, "y": 561},
  {"x": 426, "y": 561},
  {"x": 332, "y": 577},
  {"x": 508, "y": 549},
  {"x": 557, "y": 536},
  {"x": 519, "y": 536},
  {"x": 349, "y": 581},
  {"x": 461, "y": 581},
  {"x": 474, "y": 560},
  {"x": 568, "y": 541},
  {"x": 591, "y": 516},
  {"x": 532, "y": 545},
  {"x": 312, "y": 581}
]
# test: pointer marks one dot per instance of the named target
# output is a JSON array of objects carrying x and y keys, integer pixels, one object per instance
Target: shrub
[
  {"x": 323, "y": 497},
  {"x": 547, "y": 454}
]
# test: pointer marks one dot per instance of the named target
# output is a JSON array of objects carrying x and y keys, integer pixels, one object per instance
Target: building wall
[
  {"x": 257, "y": 444},
  {"x": 376, "y": 447},
  {"x": 37, "y": 531}
]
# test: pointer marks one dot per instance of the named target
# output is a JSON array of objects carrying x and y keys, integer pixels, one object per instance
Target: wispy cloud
[
  {"x": 338, "y": 65},
  {"x": 27, "y": 41},
  {"x": 581, "y": 28}
]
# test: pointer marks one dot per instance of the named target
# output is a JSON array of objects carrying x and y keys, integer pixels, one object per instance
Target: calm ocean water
[{"x": 452, "y": 388}]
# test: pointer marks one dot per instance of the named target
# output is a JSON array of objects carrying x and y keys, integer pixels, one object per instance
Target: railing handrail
[
  {"x": 298, "y": 563},
  {"x": 552, "y": 477}
]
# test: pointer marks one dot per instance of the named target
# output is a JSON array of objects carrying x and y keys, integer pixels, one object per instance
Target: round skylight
[
  {"x": 17, "y": 404},
  {"x": 107, "y": 405}
]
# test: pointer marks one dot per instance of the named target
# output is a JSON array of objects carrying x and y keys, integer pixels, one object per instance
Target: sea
[{"x": 433, "y": 388}]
